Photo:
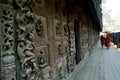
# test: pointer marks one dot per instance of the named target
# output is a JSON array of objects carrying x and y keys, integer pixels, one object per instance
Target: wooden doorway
[{"x": 77, "y": 41}]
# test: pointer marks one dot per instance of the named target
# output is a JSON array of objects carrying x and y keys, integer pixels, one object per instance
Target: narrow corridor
[{"x": 102, "y": 64}]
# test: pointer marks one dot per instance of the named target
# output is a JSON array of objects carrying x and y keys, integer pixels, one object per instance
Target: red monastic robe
[
  {"x": 107, "y": 42},
  {"x": 102, "y": 41}
]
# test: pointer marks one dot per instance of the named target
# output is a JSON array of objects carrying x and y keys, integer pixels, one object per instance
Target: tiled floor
[{"x": 103, "y": 64}]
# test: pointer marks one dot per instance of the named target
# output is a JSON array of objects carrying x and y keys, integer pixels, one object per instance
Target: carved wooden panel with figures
[
  {"x": 31, "y": 30},
  {"x": 38, "y": 40}
]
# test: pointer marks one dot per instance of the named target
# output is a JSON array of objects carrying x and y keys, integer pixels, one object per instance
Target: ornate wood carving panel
[
  {"x": 7, "y": 38},
  {"x": 31, "y": 26},
  {"x": 60, "y": 47},
  {"x": 29, "y": 51}
]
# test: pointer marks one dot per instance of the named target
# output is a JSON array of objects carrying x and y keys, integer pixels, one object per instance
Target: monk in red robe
[
  {"x": 0, "y": 78},
  {"x": 102, "y": 40},
  {"x": 107, "y": 40}
]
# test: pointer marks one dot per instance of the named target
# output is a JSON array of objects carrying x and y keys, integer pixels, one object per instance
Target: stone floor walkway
[{"x": 103, "y": 64}]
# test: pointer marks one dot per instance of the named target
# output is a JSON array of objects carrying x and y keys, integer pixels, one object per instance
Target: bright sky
[{"x": 114, "y": 5}]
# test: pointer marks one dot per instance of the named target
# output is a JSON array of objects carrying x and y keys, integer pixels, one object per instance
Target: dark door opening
[{"x": 77, "y": 41}]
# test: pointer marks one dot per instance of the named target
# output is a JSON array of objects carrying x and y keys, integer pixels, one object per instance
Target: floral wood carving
[{"x": 8, "y": 54}]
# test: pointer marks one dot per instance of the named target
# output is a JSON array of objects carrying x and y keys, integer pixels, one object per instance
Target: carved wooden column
[
  {"x": 7, "y": 52},
  {"x": 71, "y": 62}
]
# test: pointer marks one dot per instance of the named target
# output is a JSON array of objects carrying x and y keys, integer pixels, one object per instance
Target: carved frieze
[
  {"x": 25, "y": 46},
  {"x": 32, "y": 58},
  {"x": 27, "y": 56},
  {"x": 7, "y": 54}
]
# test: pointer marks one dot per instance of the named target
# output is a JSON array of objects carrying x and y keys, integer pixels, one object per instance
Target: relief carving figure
[
  {"x": 26, "y": 50},
  {"x": 41, "y": 58},
  {"x": 39, "y": 27},
  {"x": 25, "y": 41},
  {"x": 26, "y": 54},
  {"x": 21, "y": 48},
  {"x": 29, "y": 49}
]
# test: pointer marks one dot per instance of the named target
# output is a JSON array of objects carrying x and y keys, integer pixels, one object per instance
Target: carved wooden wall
[{"x": 38, "y": 40}]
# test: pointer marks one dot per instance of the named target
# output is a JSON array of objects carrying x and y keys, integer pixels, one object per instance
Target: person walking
[
  {"x": 107, "y": 42},
  {"x": 102, "y": 38}
]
